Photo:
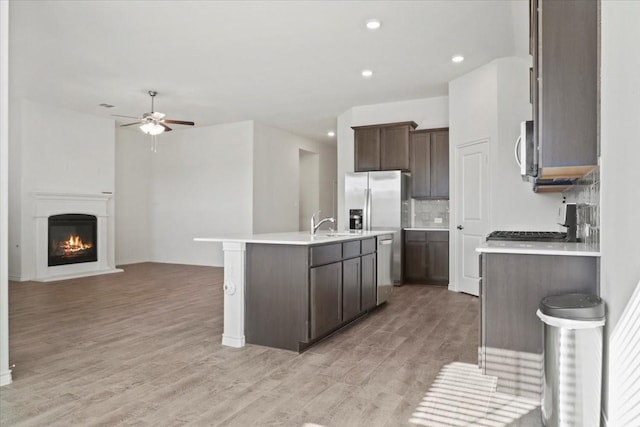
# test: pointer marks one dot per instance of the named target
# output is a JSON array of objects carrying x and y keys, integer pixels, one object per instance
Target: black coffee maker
[{"x": 355, "y": 219}]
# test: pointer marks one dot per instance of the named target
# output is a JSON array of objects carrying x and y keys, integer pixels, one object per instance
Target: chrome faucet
[{"x": 314, "y": 227}]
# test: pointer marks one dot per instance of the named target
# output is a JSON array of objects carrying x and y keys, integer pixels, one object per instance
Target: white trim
[
  {"x": 81, "y": 274},
  {"x": 5, "y": 378},
  {"x": 5, "y": 372},
  {"x": 236, "y": 342}
]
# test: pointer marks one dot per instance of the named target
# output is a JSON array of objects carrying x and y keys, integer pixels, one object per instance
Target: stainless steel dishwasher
[{"x": 385, "y": 260}]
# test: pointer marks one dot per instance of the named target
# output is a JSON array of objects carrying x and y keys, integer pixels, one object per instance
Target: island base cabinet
[
  {"x": 276, "y": 298},
  {"x": 351, "y": 284},
  {"x": 326, "y": 298}
]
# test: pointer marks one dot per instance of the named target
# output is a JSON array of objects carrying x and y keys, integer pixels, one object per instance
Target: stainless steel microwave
[{"x": 525, "y": 152}]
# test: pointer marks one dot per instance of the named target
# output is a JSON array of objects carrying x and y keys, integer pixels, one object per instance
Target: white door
[{"x": 472, "y": 212}]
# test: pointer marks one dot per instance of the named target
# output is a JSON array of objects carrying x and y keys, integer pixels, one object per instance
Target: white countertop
[
  {"x": 425, "y": 229},
  {"x": 539, "y": 248},
  {"x": 296, "y": 237}
]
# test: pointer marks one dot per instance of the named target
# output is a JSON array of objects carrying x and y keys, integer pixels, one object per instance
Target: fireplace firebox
[{"x": 72, "y": 239}]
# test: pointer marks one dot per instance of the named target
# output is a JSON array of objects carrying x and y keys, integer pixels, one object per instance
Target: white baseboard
[
  {"x": 5, "y": 378},
  {"x": 236, "y": 342},
  {"x": 78, "y": 275},
  {"x": 17, "y": 279}
]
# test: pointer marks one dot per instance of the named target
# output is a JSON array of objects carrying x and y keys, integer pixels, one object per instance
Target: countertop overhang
[
  {"x": 297, "y": 237},
  {"x": 425, "y": 229},
  {"x": 539, "y": 248}
]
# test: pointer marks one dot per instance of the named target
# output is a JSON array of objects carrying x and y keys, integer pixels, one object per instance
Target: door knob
[{"x": 460, "y": 227}]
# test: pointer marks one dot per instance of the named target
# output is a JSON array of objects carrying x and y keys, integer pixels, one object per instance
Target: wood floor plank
[{"x": 143, "y": 348}]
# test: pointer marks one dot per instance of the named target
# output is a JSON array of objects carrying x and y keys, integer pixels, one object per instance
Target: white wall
[
  {"x": 427, "y": 113},
  {"x": 133, "y": 197},
  {"x": 620, "y": 175},
  {"x": 59, "y": 150},
  {"x": 308, "y": 188},
  {"x": 5, "y": 372},
  {"x": 277, "y": 174},
  {"x": 202, "y": 185},
  {"x": 489, "y": 103}
]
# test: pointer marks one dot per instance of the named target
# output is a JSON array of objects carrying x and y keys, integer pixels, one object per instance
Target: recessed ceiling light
[
  {"x": 331, "y": 133},
  {"x": 457, "y": 58},
  {"x": 367, "y": 73},
  {"x": 373, "y": 24}
]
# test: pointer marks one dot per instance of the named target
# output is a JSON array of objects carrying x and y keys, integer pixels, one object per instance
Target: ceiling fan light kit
[{"x": 154, "y": 123}]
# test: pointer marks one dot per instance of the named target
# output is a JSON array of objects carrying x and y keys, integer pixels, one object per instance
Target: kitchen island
[
  {"x": 514, "y": 277},
  {"x": 290, "y": 290}
]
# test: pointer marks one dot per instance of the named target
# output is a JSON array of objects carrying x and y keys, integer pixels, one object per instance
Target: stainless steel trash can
[{"x": 572, "y": 359}]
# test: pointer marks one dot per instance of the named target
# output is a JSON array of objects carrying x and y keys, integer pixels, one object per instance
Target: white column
[
  {"x": 5, "y": 372},
  {"x": 234, "y": 284}
]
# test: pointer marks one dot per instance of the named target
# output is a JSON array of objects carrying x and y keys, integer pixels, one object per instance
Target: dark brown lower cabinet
[
  {"x": 351, "y": 288},
  {"x": 326, "y": 298},
  {"x": 426, "y": 257},
  {"x": 296, "y": 295},
  {"x": 369, "y": 277}
]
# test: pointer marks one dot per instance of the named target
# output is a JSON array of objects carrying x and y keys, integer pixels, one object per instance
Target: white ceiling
[{"x": 290, "y": 64}]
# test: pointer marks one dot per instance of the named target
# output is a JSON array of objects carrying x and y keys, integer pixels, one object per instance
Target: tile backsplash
[
  {"x": 586, "y": 195},
  {"x": 425, "y": 213}
]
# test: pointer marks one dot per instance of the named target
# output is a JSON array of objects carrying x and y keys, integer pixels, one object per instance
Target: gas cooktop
[{"x": 528, "y": 236}]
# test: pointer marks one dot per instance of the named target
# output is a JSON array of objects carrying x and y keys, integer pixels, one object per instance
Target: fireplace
[{"x": 72, "y": 239}]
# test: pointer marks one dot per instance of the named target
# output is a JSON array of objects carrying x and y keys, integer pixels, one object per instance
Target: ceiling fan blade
[
  {"x": 178, "y": 122},
  {"x": 166, "y": 128},
  {"x": 130, "y": 124},
  {"x": 129, "y": 117}
]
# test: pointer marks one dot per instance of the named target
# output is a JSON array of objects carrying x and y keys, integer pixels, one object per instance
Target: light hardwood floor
[{"x": 143, "y": 348}]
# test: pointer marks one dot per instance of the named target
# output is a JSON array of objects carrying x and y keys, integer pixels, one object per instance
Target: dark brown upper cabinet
[
  {"x": 382, "y": 147},
  {"x": 564, "y": 44},
  {"x": 430, "y": 164}
]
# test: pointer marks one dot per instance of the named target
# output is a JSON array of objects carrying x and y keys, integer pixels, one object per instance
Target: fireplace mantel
[{"x": 47, "y": 204}]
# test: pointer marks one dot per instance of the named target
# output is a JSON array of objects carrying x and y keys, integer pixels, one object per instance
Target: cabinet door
[
  {"x": 326, "y": 298},
  {"x": 420, "y": 160},
  {"x": 351, "y": 283},
  {"x": 415, "y": 265},
  {"x": 367, "y": 149},
  {"x": 437, "y": 256},
  {"x": 439, "y": 165},
  {"x": 368, "y": 282},
  {"x": 568, "y": 84},
  {"x": 394, "y": 148}
]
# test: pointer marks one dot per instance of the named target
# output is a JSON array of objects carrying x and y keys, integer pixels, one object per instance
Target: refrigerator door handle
[{"x": 369, "y": 206}]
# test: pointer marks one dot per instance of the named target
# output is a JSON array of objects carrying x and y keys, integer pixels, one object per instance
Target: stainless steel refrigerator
[{"x": 384, "y": 200}]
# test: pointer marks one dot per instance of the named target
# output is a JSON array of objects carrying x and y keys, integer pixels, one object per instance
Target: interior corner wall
[
  {"x": 620, "y": 204},
  {"x": 276, "y": 178},
  {"x": 5, "y": 371},
  {"x": 63, "y": 151},
  {"x": 133, "y": 197},
  {"x": 426, "y": 112},
  {"x": 201, "y": 185}
]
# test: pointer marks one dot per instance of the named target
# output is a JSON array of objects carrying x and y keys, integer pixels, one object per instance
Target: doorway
[
  {"x": 309, "y": 187},
  {"x": 472, "y": 212}
]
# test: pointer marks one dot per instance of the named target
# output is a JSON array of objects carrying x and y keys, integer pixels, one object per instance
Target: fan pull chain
[{"x": 154, "y": 144}]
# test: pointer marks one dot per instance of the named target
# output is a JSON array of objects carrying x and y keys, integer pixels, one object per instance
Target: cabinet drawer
[
  {"x": 437, "y": 236},
  {"x": 351, "y": 249},
  {"x": 368, "y": 245},
  {"x": 326, "y": 254},
  {"x": 415, "y": 236}
]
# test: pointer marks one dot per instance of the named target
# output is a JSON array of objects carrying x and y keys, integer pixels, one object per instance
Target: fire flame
[{"x": 75, "y": 244}]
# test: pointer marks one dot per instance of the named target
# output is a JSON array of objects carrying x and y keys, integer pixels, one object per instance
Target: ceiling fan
[{"x": 154, "y": 123}]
